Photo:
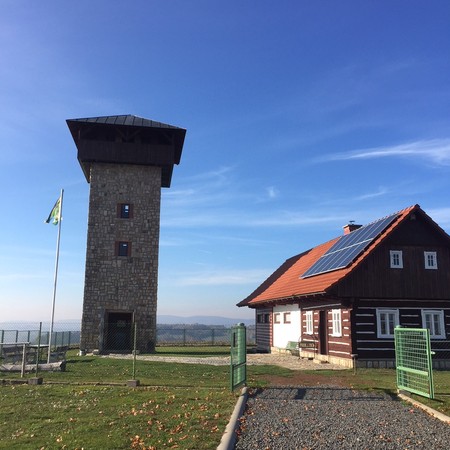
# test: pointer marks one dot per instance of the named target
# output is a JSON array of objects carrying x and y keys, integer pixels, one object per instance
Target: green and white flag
[{"x": 55, "y": 214}]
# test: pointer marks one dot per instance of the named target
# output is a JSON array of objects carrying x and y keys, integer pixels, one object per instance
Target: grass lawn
[
  {"x": 112, "y": 417},
  {"x": 180, "y": 406},
  {"x": 183, "y": 406}
]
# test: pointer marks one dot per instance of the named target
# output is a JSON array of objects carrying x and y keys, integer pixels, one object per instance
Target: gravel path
[
  {"x": 336, "y": 418},
  {"x": 253, "y": 359}
]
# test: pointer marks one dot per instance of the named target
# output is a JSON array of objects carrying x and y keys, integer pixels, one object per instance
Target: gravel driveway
[{"x": 330, "y": 417}]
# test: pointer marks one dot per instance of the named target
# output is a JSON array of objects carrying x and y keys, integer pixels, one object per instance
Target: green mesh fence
[
  {"x": 238, "y": 356},
  {"x": 413, "y": 361}
]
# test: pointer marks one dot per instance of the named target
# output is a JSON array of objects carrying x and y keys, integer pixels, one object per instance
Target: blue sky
[{"x": 300, "y": 116}]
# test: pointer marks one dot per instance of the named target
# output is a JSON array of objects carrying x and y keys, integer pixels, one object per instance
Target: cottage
[{"x": 342, "y": 299}]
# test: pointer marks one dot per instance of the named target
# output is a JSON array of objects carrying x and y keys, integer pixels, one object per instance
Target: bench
[
  {"x": 13, "y": 353},
  {"x": 306, "y": 344},
  {"x": 59, "y": 353},
  {"x": 11, "y": 358},
  {"x": 292, "y": 347}
]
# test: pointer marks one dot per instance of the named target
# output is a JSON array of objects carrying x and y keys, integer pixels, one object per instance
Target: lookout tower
[{"x": 126, "y": 160}]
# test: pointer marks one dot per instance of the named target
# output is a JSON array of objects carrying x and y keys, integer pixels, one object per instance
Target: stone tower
[{"x": 126, "y": 160}]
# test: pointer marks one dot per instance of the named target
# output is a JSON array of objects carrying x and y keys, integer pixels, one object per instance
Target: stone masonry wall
[{"x": 122, "y": 283}]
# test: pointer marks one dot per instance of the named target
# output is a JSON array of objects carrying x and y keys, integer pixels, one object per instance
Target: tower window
[
  {"x": 123, "y": 248},
  {"x": 125, "y": 210}
]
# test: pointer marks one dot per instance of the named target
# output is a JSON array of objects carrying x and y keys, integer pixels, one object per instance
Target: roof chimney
[{"x": 351, "y": 226}]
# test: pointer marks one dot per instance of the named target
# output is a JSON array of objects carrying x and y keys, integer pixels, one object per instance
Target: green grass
[
  {"x": 107, "y": 417},
  {"x": 184, "y": 406}
]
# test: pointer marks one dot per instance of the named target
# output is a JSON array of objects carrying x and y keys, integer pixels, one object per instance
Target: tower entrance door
[{"x": 118, "y": 332}]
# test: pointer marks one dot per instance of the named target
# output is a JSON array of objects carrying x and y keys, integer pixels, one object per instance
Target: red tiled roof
[{"x": 286, "y": 281}]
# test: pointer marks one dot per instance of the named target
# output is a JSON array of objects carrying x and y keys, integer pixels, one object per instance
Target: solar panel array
[{"x": 348, "y": 247}]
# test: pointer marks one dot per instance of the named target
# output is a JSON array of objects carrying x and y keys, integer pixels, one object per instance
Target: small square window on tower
[
  {"x": 125, "y": 210},
  {"x": 123, "y": 248}
]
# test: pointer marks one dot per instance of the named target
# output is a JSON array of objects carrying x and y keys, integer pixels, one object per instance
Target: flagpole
[{"x": 56, "y": 276}]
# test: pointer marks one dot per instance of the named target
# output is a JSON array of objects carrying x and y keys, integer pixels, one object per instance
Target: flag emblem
[{"x": 54, "y": 217}]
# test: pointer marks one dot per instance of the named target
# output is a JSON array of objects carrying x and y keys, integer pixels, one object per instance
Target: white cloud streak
[
  {"x": 435, "y": 152},
  {"x": 441, "y": 216},
  {"x": 223, "y": 277}
]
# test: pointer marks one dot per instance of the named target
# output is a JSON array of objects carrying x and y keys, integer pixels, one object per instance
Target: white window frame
[
  {"x": 396, "y": 256},
  {"x": 430, "y": 260},
  {"x": 309, "y": 321},
  {"x": 439, "y": 314},
  {"x": 387, "y": 312},
  {"x": 337, "y": 322}
]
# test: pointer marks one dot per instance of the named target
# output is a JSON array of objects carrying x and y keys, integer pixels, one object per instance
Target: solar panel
[{"x": 348, "y": 247}]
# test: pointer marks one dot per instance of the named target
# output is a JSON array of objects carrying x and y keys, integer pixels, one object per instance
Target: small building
[
  {"x": 342, "y": 299},
  {"x": 126, "y": 160}
]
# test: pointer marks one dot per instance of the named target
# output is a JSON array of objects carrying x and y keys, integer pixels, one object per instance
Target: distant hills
[{"x": 162, "y": 319}]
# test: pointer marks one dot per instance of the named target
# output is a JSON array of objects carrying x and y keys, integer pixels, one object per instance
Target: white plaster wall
[{"x": 285, "y": 332}]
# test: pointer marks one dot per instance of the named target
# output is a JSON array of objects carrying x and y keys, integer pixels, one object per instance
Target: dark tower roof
[{"x": 127, "y": 139}]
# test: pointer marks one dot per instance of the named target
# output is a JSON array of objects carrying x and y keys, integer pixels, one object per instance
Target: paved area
[{"x": 283, "y": 360}]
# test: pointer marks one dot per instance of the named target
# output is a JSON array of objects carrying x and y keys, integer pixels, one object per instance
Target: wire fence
[
  {"x": 166, "y": 335},
  {"x": 31, "y": 351}
]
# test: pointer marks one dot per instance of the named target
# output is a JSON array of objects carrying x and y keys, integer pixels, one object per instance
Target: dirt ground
[{"x": 306, "y": 372}]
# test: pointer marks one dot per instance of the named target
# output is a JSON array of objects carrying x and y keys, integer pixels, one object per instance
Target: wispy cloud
[
  {"x": 380, "y": 192},
  {"x": 433, "y": 151},
  {"x": 272, "y": 192},
  {"x": 223, "y": 277},
  {"x": 440, "y": 216},
  {"x": 220, "y": 200}
]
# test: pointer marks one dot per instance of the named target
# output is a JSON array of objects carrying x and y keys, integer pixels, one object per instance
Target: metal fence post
[
  {"x": 38, "y": 348},
  {"x": 134, "y": 352},
  {"x": 24, "y": 358},
  {"x": 238, "y": 356}
]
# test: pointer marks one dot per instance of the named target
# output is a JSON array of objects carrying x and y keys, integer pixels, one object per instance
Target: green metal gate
[
  {"x": 238, "y": 356},
  {"x": 413, "y": 361}
]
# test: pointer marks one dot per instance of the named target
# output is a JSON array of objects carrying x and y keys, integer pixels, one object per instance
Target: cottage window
[
  {"x": 336, "y": 320},
  {"x": 430, "y": 260},
  {"x": 434, "y": 321},
  {"x": 396, "y": 259},
  {"x": 276, "y": 318},
  {"x": 287, "y": 317},
  {"x": 263, "y": 318},
  {"x": 309, "y": 322},
  {"x": 387, "y": 320}
]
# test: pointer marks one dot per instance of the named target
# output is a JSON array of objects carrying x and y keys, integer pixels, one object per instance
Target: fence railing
[
  {"x": 177, "y": 335},
  {"x": 59, "y": 338},
  {"x": 198, "y": 335}
]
